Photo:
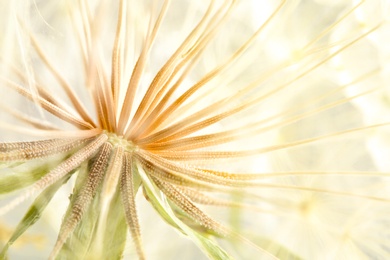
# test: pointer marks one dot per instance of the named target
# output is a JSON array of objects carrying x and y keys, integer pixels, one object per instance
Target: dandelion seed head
[{"x": 242, "y": 125}]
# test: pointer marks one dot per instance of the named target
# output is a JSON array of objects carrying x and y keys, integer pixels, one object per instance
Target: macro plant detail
[{"x": 246, "y": 146}]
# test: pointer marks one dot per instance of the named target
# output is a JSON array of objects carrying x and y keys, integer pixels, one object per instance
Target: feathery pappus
[{"x": 241, "y": 125}]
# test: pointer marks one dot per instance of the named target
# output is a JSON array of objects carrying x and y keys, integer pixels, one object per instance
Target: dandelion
[{"x": 237, "y": 121}]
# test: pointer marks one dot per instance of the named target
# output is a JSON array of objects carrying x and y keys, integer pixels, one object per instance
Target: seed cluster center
[{"x": 116, "y": 140}]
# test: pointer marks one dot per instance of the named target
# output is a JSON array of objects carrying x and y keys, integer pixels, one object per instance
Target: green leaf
[
  {"x": 35, "y": 212},
  {"x": 21, "y": 175},
  {"x": 9, "y": 165},
  {"x": 84, "y": 242},
  {"x": 78, "y": 243},
  {"x": 187, "y": 220},
  {"x": 115, "y": 230},
  {"x": 205, "y": 243}
]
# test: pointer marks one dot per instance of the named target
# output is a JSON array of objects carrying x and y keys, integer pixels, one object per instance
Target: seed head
[{"x": 237, "y": 121}]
